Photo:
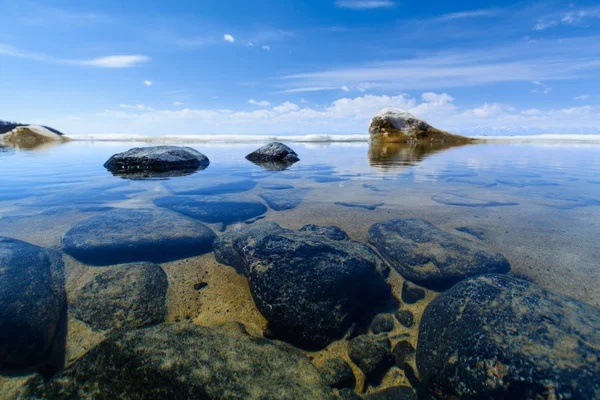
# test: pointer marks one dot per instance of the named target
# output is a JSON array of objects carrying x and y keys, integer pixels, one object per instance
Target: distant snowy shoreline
[{"x": 551, "y": 138}]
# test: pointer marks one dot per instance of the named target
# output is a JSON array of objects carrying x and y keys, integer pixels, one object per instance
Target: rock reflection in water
[
  {"x": 274, "y": 165},
  {"x": 391, "y": 156}
]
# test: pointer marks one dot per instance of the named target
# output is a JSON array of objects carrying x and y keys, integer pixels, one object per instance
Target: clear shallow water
[{"x": 536, "y": 204}]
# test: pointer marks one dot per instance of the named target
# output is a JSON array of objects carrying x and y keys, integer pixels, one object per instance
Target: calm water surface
[{"x": 536, "y": 204}]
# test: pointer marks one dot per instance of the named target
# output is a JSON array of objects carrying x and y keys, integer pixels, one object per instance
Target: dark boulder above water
[
  {"x": 126, "y": 235},
  {"x": 499, "y": 337},
  {"x": 185, "y": 361},
  {"x": 33, "y": 303},
  {"x": 126, "y": 296},
  {"x": 310, "y": 288},
  {"x": 430, "y": 257},
  {"x": 273, "y": 152},
  {"x": 143, "y": 161}
]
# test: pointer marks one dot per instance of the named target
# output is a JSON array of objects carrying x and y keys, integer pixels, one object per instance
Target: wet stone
[
  {"x": 337, "y": 373},
  {"x": 277, "y": 186},
  {"x": 273, "y": 152},
  {"x": 411, "y": 293},
  {"x": 183, "y": 361},
  {"x": 347, "y": 394},
  {"x": 328, "y": 232},
  {"x": 496, "y": 336},
  {"x": 126, "y": 296},
  {"x": 33, "y": 302},
  {"x": 382, "y": 323},
  {"x": 475, "y": 232},
  {"x": 402, "y": 352},
  {"x": 430, "y": 257},
  {"x": 405, "y": 318},
  {"x": 393, "y": 393},
  {"x": 127, "y": 235},
  {"x": 282, "y": 200},
  {"x": 213, "y": 211},
  {"x": 372, "y": 355},
  {"x": 310, "y": 288}
]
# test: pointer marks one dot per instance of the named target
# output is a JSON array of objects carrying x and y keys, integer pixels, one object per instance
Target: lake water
[{"x": 537, "y": 204}]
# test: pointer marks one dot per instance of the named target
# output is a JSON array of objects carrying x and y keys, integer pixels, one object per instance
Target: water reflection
[
  {"x": 274, "y": 165},
  {"x": 390, "y": 156}
]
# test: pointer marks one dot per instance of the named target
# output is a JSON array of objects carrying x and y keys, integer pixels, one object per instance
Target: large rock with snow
[
  {"x": 396, "y": 125},
  {"x": 157, "y": 159}
]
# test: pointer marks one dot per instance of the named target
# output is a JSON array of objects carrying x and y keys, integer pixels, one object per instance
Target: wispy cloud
[
  {"x": 148, "y": 83},
  {"x": 582, "y": 97},
  {"x": 177, "y": 103},
  {"x": 228, "y": 38},
  {"x": 465, "y": 14},
  {"x": 140, "y": 107},
  {"x": 263, "y": 103},
  {"x": 578, "y": 17},
  {"x": 541, "y": 88},
  {"x": 117, "y": 61},
  {"x": 267, "y": 48},
  {"x": 364, "y": 4}
]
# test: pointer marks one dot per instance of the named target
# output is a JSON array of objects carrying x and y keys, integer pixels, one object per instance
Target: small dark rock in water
[
  {"x": 33, "y": 300},
  {"x": 213, "y": 211},
  {"x": 273, "y": 152},
  {"x": 496, "y": 336},
  {"x": 310, "y": 288},
  {"x": 347, "y": 394},
  {"x": 478, "y": 233},
  {"x": 337, "y": 373},
  {"x": 185, "y": 361},
  {"x": 200, "y": 285},
  {"x": 405, "y": 318},
  {"x": 276, "y": 186},
  {"x": 382, "y": 323},
  {"x": 282, "y": 200},
  {"x": 142, "y": 161},
  {"x": 430, "y": 257},
  {"x": 126, "y": 296},
  {"x": 372, "y": 355},
  {"x": 402, "y": 353},
  {"x": 369, "y": 207},
  {"x": 126, "y": 235},
  {"x": 393, "y": 393},
  {"x": 412, "y": 293}
]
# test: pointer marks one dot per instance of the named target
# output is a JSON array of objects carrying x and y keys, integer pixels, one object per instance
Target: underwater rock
[
  {"x": 475, "y": 232},
  {"x": 33, "y": 300},
  {"x": 282, "y": 200},
  {"x": 337, "y": 373},
  {"x": 210, "y": 186},
  {"x": 372, "y": 355},
  {"x": 462, "y": 199},
  {"x": 430, "y": 257},
  {"x": 393, "y": 393},
  {"x": 184, "y": 361},
  {"x": 125, "y": 235},
  {"x": 327, "y": 179},
  {"x": 402, "y": 353},
  {"x": 126, "y": 296},
  {"x": 328, "y": 232},
  {"x": 273, "y": 152},
  {"x": 496, "y": 336},
  {"x": 405, "y": 317},
  {"x": 347, "y": 394},
  {"x": 310, "y": 288},
  {"x": 141, "y": 162},
  {"x": 382, "y": 323},
  {"x": 276, "y": 186},
  {"x": 411, "y": 293},
  {"x": 213, "y": 211},
  {"x": 369, "y": 207},
  {"x": 399, "y": 126}
]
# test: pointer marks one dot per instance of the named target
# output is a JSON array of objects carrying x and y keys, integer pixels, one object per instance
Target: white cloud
[
  {"x": 364, "y": 4},
  {"x": 177, "y": 103},
  {"x": 582, "y": 97},
  {"x": 250, "y": 44},
  {"x": 352, "y": 115},
  {"x": 263, "y": 103},
  {"x": 345, "y": 88},
  {"x": 572, "y": 17},
  {"x": 148, "y": 83},
  {"x": 464, "y": 14},
  {"x": 118, "y": 61},
  {"x": 140, "y": 107},
  {"x": 542, "y": 88},
  {"x": 266, "y": 48},
  {"x": 228, "y": 38}
]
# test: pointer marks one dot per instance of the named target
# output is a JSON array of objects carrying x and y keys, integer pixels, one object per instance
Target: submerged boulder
[
  {"x": 125, "y": 235},
  {"x": 311, "y": 285},
  {"x": 496, "y": 336},
  {"x": 430, "y": 257},
  {"x": 33, "y": 302},
  {"x": 185, "y": 361},
  {"x": 396, "y": 125},
  {"x": 142, "y": 161},
  {"x": 126, "y": 296},
  {"x": 274, "y": 156}
]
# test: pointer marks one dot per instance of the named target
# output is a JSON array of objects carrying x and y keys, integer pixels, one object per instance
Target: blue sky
[{"x": 319, "y": 66}]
